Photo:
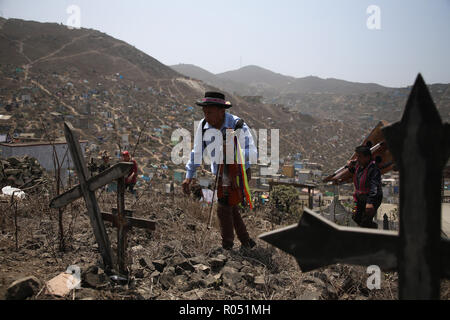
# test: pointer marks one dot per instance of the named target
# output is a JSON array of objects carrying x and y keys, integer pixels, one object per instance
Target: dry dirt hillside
[{"x": 52, "y": 73}]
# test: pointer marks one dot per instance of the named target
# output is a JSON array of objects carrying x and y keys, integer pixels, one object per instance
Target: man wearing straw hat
[{"x": 230, "y": 220}]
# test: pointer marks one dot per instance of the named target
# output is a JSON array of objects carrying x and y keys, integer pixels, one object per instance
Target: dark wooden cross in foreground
[
  {"x": 420, "y": 144},
  {"x": 120, "y": 217}
]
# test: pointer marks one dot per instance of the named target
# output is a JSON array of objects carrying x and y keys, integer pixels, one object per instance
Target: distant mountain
[
  {"x": 254, "y": 80},
  {"x": 195, "y": 72},
  {"x": 275, "y": 83},
  {"x": 335, "y": 86},
  {"x": 258, "y": 77},
  {"x": 198, "y": 73}
]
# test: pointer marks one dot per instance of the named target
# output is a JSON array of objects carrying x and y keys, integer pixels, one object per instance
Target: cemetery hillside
[{"x": 68, "y": 96}]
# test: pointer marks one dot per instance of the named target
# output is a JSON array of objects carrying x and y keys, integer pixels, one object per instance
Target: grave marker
[
  {"x": 86, "y": 189},
  {"x": 420, "y": 144}
]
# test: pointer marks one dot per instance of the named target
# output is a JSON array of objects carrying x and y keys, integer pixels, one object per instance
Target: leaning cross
[
  {"x": 86, "y": 189},
  {"x": 420, "y": 144}
]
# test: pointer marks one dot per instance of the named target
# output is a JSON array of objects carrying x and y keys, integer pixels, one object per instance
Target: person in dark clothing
[
  {"x": 105, "y": 162},
  {"x": 368, "y": 193},
  {"x": 131, "y": 179}
]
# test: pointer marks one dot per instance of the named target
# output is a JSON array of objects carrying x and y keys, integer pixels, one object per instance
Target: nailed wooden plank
[
  {"x": 122, "y": 228},
  {"x": 128, "y": 213},
  {"x": 89, "y": 196},
  {"x": 94, "y": 183},
  {"x": 131, "y": 222},
  {"x": 113, "y": 173},
  {"x": 317, "y": 242},
  {"x": 66, "y": 197},
  {"x": 445, "y": 258},
  {"x": 418, "y": 144}
]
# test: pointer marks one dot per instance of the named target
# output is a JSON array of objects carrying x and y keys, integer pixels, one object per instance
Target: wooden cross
[
  {"x": 120, "y": 217},
  {"x": 420, "y": 144}
]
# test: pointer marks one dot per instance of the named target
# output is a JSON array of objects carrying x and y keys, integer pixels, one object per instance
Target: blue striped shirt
[{"x": 250, "y": 152}]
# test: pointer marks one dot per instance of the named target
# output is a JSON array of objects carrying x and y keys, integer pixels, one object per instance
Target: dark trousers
[
  {"x": 361, "y": 217},
  {"x": 130, "y": 187},
  {"x": 230, "y": 220}
]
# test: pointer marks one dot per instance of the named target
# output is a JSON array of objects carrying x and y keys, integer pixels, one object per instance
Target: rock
[
  {"x": 202, "y": 268},
  {"x": 349, "y": 285},
  {"x": 91, "y": 269},
  {"x": 222, "y": 257},
  {"x": 332, "y": 293},
  {"x": 324, "y": 276},
  {"x": 14, "y": 161},
  {"x": 11, "y": 180},
  {"x": 172, "y": 246},
  {"x": 210, "y": 281},
  {"x": 247, "y": 269},
  {"x": 179, "y": 271},
  {"x": 191, "y": 226},
  {"x": 155, "y": 275},
  {"x": 228, "y": 270},
  {"x": 171, "y": 271},
  {"x": 12, "y": 172},
  {"x": 137, "y": 248},
  {"x": 249, "y": 277},
  {"x": 146, "y": 263},
  {"x": 166, "y": 280},
  {"x": 197, "y": 260},
  {"x": 46, "y": 255},
  {"x": 95, "y": 281},
  {"x": 146, "y": 294},
  {"x": 181, "y": 282},
  {"x": 310, "y": 295},
  {"x": 216, "y": 251},
  {"x": 61, "y": 284},
  {"x": 231, "y": 277},
  {"x": 218, "y": 262},
  {"x": 315, "y": 281},
  {"x": 182, "y": 263},
  {"x": 139, "y": 274},
  {"x": 195, "y": 281},
  {"x": 234, "y": 264},
  {"x": 23, "y": 288},
  {"x": 86, "y": 294},
  {"x": 193, "y": 295},
  {"x": 259, "y": 282},
  {"x": 159, "y": 265}
]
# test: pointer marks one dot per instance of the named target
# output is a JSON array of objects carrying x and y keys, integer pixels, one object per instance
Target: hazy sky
[{"x": 327, "y": 38}]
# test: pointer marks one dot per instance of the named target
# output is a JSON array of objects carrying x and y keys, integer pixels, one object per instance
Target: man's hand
[
  {"x": 186, "y": 185},
  {"x": 370, "y": 210},
  {"x": 351, "y": 163}
]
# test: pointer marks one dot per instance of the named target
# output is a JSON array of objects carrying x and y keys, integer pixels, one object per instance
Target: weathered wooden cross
[
  {"x": 120, "y": 217},
  {"x": 420, "y": 144}
]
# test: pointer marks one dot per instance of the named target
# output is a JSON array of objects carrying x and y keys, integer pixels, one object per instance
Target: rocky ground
[
  {"x": 20, "y": 172},
  {"x": 180, "y": 260}
]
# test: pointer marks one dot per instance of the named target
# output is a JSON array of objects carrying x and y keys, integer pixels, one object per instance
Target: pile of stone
[{"x": 20, "y": 172}]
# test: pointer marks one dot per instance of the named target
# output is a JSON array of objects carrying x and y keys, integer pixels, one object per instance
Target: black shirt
[{"x": 373, "y": 182}]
